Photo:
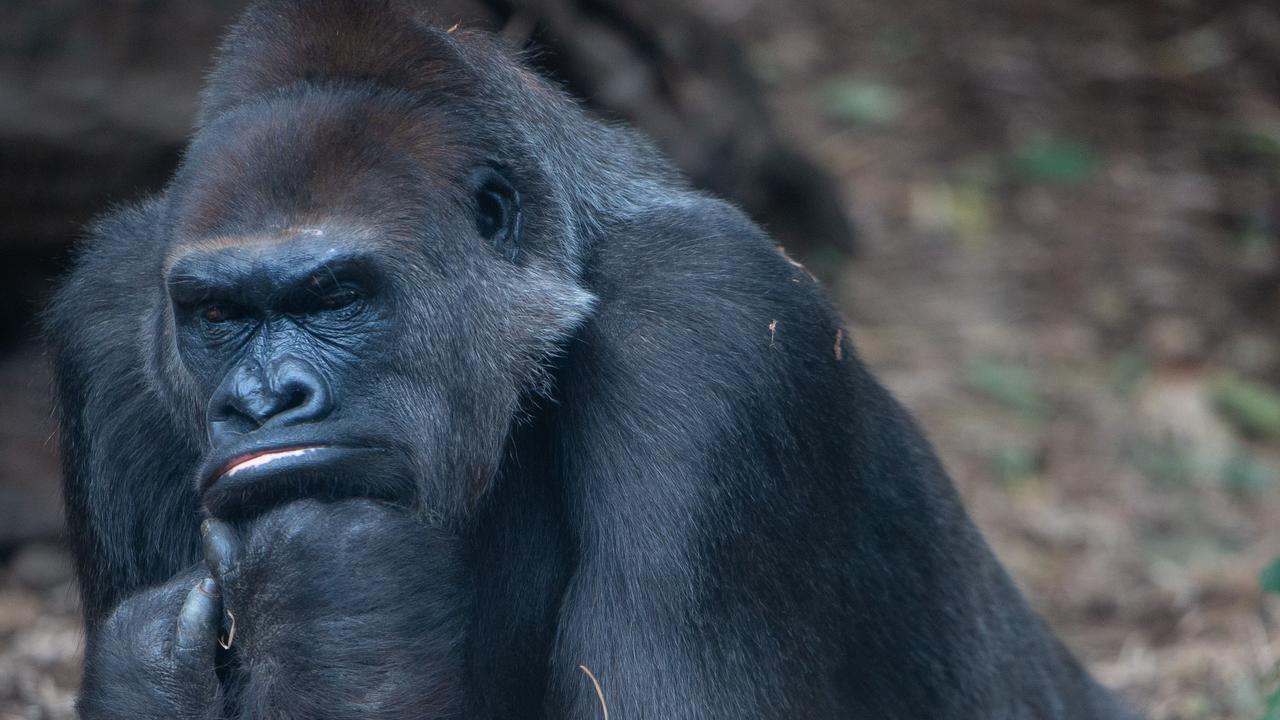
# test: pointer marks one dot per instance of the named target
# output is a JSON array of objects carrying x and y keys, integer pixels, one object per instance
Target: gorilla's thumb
[{"x": 221, "y": 547}]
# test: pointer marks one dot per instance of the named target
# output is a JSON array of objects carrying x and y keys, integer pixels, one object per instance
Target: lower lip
[{"x": 254, "y": 482}]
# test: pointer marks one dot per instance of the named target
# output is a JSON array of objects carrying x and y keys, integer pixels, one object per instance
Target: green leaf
[
  {"x": 1168, "y": 463},
  {"x": 1244, "y": 474},
  {"x": 1007, "y": 384},
  {"x": 861, "y": 101},
  {"x": 1272, "y": 711},
  {"x": 1016, "y": 465},
  {"x": 1128, "y": 370},
  {"x": 1270, "y": 577},
  {"x": 1058, "y": 162},
  {"x": 1251, "y": 407}
]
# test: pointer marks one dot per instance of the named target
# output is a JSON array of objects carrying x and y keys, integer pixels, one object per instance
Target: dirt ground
[
  {"x": 1069, "y": 270},
  {"x": 1070, "y": 218}
]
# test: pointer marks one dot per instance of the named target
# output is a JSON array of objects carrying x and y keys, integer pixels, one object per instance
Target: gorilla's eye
[
  {"x": 327, "y": 292},
  {"x": 219, "y": 319},
  {"x": 214, "y": 313},
  {"x": 339, "y": 298}
]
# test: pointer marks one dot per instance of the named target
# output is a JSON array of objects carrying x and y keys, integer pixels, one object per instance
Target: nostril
[
  {"x": 253, "y": 398},
  {"x": 233, "y": 419},
  {"x": 295, "y": 398},
  {"x": 302, "y": 393},
  {"x": 236, "y": 403}
]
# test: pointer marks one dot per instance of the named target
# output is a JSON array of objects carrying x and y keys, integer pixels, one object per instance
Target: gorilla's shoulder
[
  {"x": 692, "y": 246},
  {"x": 694, "y": 287}
]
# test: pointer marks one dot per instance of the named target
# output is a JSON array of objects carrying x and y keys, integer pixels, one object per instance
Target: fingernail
[{"x": 208, "y": 586}]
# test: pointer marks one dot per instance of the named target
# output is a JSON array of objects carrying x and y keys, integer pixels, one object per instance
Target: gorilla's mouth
[
  {"x": 262, "y": 478},
  {"x": 266, "y": 457}
]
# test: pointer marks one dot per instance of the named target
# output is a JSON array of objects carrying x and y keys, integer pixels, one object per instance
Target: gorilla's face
[{"x": 356, "y": 303}]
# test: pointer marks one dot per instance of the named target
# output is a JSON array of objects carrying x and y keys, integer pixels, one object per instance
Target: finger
[
  {"x": 195, "y": 650},
  {"x": 196, "y": 634},
  {"x": 221, "y": 547}
]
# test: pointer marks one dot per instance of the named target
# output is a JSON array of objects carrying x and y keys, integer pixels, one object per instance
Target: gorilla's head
[{"x": 358, "y": 292}]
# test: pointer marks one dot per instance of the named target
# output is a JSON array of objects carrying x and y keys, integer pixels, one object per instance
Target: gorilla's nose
[{"x": 287, "y": 393}]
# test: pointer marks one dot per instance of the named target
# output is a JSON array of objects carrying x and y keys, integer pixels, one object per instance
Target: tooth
[{"x": 266, "y": 458}]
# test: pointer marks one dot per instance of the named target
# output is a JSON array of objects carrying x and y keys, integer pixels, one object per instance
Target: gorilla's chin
[{"x": 253, "y": 483}]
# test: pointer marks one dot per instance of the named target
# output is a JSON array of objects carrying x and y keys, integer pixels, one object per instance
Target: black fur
[{"x": 615, "y": 427}]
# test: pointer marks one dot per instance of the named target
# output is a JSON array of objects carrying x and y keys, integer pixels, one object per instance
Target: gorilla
[{"x": 418, "y": 393}]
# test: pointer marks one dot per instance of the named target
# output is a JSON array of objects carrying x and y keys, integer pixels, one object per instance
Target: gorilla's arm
[
  {"x": 344, "y": 611},
  {"x": 154, "y": 656},
  {"x": 351, "y": 610},
  {"x": 132, "y": 513},
  {"x": 762, "y": 531}
]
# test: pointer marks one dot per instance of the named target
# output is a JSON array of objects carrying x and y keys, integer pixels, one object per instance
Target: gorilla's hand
[
  {"x": 349, "y": 609},
  {"x": 153, "y": 657}
]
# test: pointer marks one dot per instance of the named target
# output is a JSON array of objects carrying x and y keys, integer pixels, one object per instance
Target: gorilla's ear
[{"x": 497, "y": 209}]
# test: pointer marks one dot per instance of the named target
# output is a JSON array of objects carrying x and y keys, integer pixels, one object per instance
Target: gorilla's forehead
[
  {"x": 291, "y": 160},
  {"x": 301, "y": 243}
]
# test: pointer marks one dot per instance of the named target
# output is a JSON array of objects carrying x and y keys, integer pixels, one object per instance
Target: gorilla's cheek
[
  {"x": 452, "y": 392},
  {"x": 449, "y": 429}
]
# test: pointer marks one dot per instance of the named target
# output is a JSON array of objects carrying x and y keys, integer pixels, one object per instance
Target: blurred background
[{"x": 1054, "y": 229}]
